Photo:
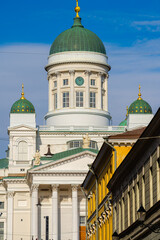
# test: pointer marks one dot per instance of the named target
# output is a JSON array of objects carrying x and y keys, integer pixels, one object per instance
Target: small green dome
[
  {"x": 140, "y": 106},
  {"x": 22, "y": 105},
  {"x": 77, "y": 38},
  {"x": 123, "y": 123}
]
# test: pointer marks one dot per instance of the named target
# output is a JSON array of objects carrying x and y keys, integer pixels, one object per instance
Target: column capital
[
  {"x": 10, "y": 194},
  {"x": 71, "y": 72},
  {"x": 57, "y": 73},
  {"x": 54, "y": 187},
  {"x": 88, "y": 72},
  {"x": 34, "y": 187},
  {"x": 74, "y": 187}
]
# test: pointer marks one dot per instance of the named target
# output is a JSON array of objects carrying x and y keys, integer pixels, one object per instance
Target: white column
[
  {"x": 75, "y": 215},
  {"x": 55, "y": 212},
  {"x": 10, "y": 196},
  {"x": 59, "y": 100},
  {"x": 50, "y": 103},
  {"x": 72, "y": 100},
  {"x": 87, "y": 87},
  {"x": 34, "y": 212},
  {"x": 106, "y": 92},
  {"x": 99, "y": 91}
]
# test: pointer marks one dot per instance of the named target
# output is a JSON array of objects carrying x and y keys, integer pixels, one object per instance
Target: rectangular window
[
  {"x": 82, "y": 220},
  {"x": 79, "y": 99},
  {"x": 55, "y": 83},
  {"x": 65, "y": 82},
  {"x": 120, "y": 218},
  {"x": 92, "y": 99},
  {"x": 123, "y": 214},
  {"x": 151, "y": 186},
  {"x": 93, "y": 82},
  {"x": 1, "y": 230},
  {"x": 137, "y": 195},
  {"x": 133, "y": 204},
  {"x": 129, "y": 206},
  {"x": 66, "y": 99},
  {"x": 55, "y": 100},
  {"x": 143, "y": 191},
  {"x": 1, "y": 205}
]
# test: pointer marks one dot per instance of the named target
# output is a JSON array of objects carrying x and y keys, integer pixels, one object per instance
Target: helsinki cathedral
[{"x": 40, "y": 194}]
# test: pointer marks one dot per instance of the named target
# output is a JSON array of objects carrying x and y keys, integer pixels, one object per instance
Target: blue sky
[{"x": 130, "y": 31}]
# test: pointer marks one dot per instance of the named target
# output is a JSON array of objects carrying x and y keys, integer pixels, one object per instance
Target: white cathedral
[{"x": 40, "y": 194}]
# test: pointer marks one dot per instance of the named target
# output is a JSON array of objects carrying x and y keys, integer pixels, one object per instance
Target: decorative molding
[
  {"x": 55, "y": 187},
  {"x": 74, "y": 187},
  {"x": 10, "y": 194},
  {"x": 57, "y": 73},
  {"x": 71, "y": 72},
  {"x": 34, "y": 187}
]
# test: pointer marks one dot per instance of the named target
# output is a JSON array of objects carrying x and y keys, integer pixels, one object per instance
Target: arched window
[{"x": 22, "y": 151}]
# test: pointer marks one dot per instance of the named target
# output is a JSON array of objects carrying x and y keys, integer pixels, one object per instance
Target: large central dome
[{"x": 77, "y": 38}]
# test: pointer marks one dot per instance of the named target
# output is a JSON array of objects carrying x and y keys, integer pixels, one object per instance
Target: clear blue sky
[{"x": 130, "y": 31}]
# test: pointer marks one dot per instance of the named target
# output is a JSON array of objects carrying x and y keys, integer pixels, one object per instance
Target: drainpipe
[
  {"x": 115, "y": 154},
  {"x": 86, "y": 212},
  {"x": 92, "y": 171}
]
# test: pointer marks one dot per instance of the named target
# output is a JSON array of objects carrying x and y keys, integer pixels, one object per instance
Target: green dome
[
  {"x": 77, "y": 38},
  {"x": 140, "y": 107},
  {"x": 22, "y": 106},
  {"x": 123, "y": 123}
]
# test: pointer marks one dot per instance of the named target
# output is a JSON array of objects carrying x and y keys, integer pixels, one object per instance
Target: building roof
[
  {"x": 77, "y": 38},
  {"x": 68, "y": 153},
  {"x": 133, "y": 134},
  {"x": 123, "y": 123},
  {"x": 4, "y": 163}
]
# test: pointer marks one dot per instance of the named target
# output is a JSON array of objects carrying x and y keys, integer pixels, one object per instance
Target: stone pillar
[
  {"x": 106, "y": 92},
  {"x": 55, "y": 212},
  {"x": 10, "y": 196},
  {"x": 34, "y": 212},
  {"x": 99, "y": 91},
  {"x": 72, "y": 99},
  {"x": 75, "y": 215},
  {"x": 87, "y": 87},
  {"x": 50, "y": 102},
  {"x": 59, "y": 100}
]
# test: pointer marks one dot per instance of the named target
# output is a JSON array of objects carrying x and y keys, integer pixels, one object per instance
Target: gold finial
[
  {"x": 77, "y": 9},
  {"x": 127, "y": 111},
  {"x": 139, "y": 94},
  {"x": 22, "y": 92}
]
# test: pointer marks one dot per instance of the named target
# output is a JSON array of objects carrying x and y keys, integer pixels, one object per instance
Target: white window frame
[
  {"x": 65, "y": 82},
  {"x": 92, "y": 100},
  {"x": 93, "y": 82},
  {"x": 22, "y": 150},
  {"x": 2, "y": 231},
  {"x": 79, "y": 99},
  {"x": 55, "y": 100},
  {"x": 55, "y": 84},
  {"x": 65, "y": 99}
]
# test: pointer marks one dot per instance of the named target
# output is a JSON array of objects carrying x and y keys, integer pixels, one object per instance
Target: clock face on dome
[{"x": 79, "y": 81}]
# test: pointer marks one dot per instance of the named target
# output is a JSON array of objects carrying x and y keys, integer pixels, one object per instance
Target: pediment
[
  {"x": 76, "y": 163},
  {"x": 22, "y": 127}
]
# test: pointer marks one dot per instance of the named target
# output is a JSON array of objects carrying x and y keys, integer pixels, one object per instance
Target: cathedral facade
[{"x": 40, "y": 194}]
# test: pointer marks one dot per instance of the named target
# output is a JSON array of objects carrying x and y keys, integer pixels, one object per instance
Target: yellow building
[{"x": 110, "y": 156}]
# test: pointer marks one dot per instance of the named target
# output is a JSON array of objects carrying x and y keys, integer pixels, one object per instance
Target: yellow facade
[{"x": 104, "y": 197}]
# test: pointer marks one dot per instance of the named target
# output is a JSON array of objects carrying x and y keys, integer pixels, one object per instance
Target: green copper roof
[
  {"x": 77, "y": 38},
  {"x": 3, "y": 163},
  {"x": 123, "y": 123},
  {"x": 68, "y": 153},
  {"x": 140, "y": 107},
  {"x": 22, "y": 106}
]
